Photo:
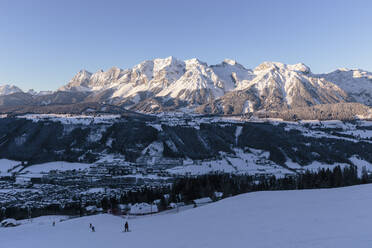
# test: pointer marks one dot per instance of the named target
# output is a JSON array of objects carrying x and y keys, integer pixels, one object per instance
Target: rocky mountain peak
[
  {"x": 195, "y": 62},
  {"x": 277, "y": 66},
  {"x": 300, "y": 67},
  {"x": 8, "y": 89}
]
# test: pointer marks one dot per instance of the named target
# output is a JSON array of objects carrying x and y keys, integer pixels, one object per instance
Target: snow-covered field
[
  {"x": 15, "y": 166},
  {"x": 57, "y": 165},
  {"x": 253, "y": 163},
  {"x": 257, "y": 162},
  {"x": 299, "y": 219},
  {"x": 6, "y": 164},
  {"x": 71, "y": 119}
]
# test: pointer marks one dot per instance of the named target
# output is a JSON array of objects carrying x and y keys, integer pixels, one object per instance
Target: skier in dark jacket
[{"x": 126, "y": 227}]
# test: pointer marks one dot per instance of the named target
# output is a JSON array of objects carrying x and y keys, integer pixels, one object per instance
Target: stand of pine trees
[
  {"x": 187, "y": 189},
  {"x": 205, "y": 186}
]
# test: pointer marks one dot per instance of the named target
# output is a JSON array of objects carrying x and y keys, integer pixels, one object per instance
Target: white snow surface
[
  {"x": 282, "y": 219},
  {"x": 57, "y": 165},
  {"x": 248, "y": 163},
  {"x": 44, "y": 220},
  {"x": 143, "y": 208},
  {"x": 6, "y": 164},
  {"x": 71, "y": 119}
]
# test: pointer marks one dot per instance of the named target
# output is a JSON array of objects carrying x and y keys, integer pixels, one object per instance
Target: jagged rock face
[
  {"x": 227, "y": 88},
  {"x": 80, "y": 82},
  {"x": 191, "y": 81},
  {"x": 224, "y": 88},
  {"x": 234, "y": 102},
  {"x": 148, "y": 79},
  {"x": 196, "y": 84},
  {"x": 292, "y": 86},
  {"x": 101, "y": 79},
  {"x": 357, "y": 83},
  {"x": 275, "y": 86}
]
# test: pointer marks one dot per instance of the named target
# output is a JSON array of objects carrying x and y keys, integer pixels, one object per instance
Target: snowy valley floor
[{"x": 308, "y": 218}]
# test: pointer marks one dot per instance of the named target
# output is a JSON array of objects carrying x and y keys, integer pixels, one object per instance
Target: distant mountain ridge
[
  {"x": 7, "y": 89},
  {"x": 170, "y": 84}
]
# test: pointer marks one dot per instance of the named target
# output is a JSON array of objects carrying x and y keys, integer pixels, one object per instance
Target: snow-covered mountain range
[
  {"x": 170, "y": 84},
  {"x": 7, "y": 89}
]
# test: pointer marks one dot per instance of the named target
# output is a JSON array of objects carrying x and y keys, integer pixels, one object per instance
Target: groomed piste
[{"x": 338, "y": 217}]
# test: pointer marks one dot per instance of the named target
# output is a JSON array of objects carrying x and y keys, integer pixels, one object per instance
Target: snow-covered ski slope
[{"x": 308, "y": 218}]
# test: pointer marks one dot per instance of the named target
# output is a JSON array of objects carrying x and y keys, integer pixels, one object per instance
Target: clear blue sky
[{"x": 44, "y": 43}]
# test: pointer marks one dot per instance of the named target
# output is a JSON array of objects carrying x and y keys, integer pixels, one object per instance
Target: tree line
[{"x": 187, "y": 189}]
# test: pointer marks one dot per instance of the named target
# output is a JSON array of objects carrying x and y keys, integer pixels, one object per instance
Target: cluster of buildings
[{"x": 38, "y": 190}]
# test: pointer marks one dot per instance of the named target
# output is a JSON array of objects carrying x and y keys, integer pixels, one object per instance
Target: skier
[
  {"x": 90, "y": 225},
  {"x": 126, "y": 227},
  {"x": 93, "y": 229},
  {"x": 54, "y": 223}
]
